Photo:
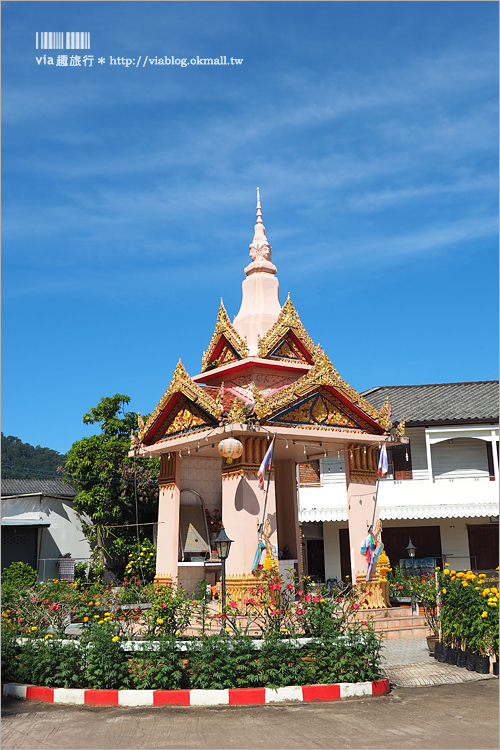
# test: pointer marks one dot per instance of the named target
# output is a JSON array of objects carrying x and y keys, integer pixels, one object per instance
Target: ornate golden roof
[
  {"x": 223, "y": 327},
  {"x": 288, "y": 320},
  {"x": 182, "y": 383}
]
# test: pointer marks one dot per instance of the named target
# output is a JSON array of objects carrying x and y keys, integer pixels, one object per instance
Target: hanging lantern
[{"x": 230, "y": 448}]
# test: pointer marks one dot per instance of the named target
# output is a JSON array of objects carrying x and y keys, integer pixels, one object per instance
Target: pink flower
[
  {"x": 300, "y": 611},
  {"x": 260, "y": 589},
  {"x": 195, "y": 604},
  {"x": 355, "y": 605},
  {"x": 363, "y": 622},
  {"x": 316, "y": 599},
  {"x": 233, "y": 605},
  {"x": 308, "y": 597},
  {"x": 370, "y": 593},
  {"x": 339, "y": 599},
  {"x": 216, "y": 616},
  {"x": 163, "y": 605},
  {"x": 34, "y": 599},
  {"x": 290, "y": 587}
]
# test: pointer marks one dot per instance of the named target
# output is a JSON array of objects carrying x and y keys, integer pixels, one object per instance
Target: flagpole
[{"x": 268, "y": 483}]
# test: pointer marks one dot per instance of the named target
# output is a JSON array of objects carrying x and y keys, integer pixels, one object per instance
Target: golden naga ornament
[{"x": 230, "y": 448}]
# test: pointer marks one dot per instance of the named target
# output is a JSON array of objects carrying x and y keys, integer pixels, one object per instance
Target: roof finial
[{"x": 259, "y": 209}]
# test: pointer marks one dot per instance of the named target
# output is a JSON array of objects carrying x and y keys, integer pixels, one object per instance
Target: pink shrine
[{"x": 261, "y": 376}]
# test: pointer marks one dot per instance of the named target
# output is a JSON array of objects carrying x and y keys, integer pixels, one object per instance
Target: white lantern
[{"x": 230, "y": 448}]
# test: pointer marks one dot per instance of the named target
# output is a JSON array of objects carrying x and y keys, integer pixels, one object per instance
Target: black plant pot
[
  {"x": 443, "y": 653},
  {"x": 470, "y": 661},
  {"x": 437, "y": 649},
  {"x": 461, "y": 658},
  {"x": 483, "y": 664},
  {"x": 495, "y": 668},
  {"x": 451, "y": 656}
]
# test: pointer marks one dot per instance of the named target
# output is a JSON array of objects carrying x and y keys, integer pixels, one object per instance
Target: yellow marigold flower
[
  {"x": 478, "y": 588},
  {"x": 159, "y": 621},
  {"x": 444, "y": 591},
  {"x": 97, "y": 604},
  {"x": 437, "y": 568},
  {"x": 464, "y": 583},
  {"x": 227, "y": 630},
  {"x": 453, "y": 572},
  {"x": 460, "y": 574},
  {"x": 485, "y": 614},
  {"x": 446, "y": 572},
  {"x": 114, "y": 638},
  {"x": 486, "y": 592},
  {"x": 446, "y": 565},
  {"x": 100, "y": 622},
  {"x": 494, "y": 590},
  {"x": 48, "y": 636},
  {"x": 34, "y": 627},
  {"x": 85, "y": 619},
  {"x": 483, "y": 575},
  {"x": 90, "y": 604}
]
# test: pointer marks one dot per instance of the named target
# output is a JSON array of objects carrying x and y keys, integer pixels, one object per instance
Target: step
[
  {"x": 401, "y": 624},
  {"x": 382, "y": 614},
  {"x": 399, "y": 633}
]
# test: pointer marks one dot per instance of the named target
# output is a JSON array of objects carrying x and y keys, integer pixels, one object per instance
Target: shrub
[
  {"x": 217, "y": 662},
  {"x": 142, "y": 562},
  {"x": 280, "y": 663},
  {"x": 15, "y": 578},
  {"x": 105, "y": 663},
  {"x": 50, "y": 663},
  {"x": 158, "y": 668}
]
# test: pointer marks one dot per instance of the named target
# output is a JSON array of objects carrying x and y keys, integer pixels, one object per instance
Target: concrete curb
[{"x": 229, "y": 697}]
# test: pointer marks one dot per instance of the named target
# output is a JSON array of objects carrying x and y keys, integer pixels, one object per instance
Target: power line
[{"x": 45, "y": 474}]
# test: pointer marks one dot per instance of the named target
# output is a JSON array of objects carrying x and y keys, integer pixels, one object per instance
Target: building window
[{"x": 400, "y": 461}]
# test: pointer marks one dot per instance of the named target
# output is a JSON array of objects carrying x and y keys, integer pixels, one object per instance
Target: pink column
[
  {"x": 360, "y": 505},
  {"x": 167, "y": 554},
  {"x": 242, "y": 508}
]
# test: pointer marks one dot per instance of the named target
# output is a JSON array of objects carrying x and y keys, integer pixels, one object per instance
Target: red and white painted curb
[{"x": 229, "y": 697}]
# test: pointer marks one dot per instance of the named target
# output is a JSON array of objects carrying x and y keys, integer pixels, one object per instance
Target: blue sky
[{"x": 129, "y": 193}]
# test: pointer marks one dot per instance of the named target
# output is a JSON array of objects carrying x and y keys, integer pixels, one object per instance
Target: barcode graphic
[{"x": 57, "y": 40}]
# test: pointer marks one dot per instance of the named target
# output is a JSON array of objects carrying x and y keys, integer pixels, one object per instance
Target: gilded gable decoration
[
  {"x": 233, "y": 348},
  {"x": 278, "y": 339},
  {"x": 182, "y": 384},
  {"x": 322, "y": 373},
  {"x": 184, "y": 417},
  {"x": 321, "y": 409}
]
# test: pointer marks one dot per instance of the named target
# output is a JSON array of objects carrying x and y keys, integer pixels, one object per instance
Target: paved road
[{"x": 442, "y": 716}]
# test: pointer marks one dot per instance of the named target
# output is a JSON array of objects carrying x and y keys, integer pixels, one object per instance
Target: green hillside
[{"x": 35, "y": 460}]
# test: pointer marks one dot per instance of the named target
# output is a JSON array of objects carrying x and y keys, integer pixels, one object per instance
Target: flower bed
[{"x": 305, "y": 639}]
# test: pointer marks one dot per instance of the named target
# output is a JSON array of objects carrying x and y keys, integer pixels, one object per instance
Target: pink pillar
[
  {"x": 360, "y": 504},
  {"x": 167, "y": 554},
  {"x": 242, "y": 508}
]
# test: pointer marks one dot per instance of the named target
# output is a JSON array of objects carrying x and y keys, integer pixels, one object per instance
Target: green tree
[
  {"x": 32, "y": 462},
  {"x": 111, "y": 485}
]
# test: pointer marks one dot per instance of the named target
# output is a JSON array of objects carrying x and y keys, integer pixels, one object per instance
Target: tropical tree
[{"x": 119, "y": 494}]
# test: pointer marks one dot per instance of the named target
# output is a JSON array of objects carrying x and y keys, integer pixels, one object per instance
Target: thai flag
[
  {"x": 266, "y": 464},
  {"x": 382, "y": 462}
]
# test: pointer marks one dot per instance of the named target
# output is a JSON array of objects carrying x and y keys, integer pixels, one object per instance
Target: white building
[
  {"x": 39, "y": 524},
  {"x": 441, "y": 490}
]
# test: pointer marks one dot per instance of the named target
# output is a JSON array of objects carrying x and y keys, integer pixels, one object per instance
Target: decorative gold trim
[
  {"x": 238, "y": 588},
  {"x": 374, "y": 594},
  {"x": 223, "y": 327},
  {"x": 163, "y": 579},
  {"x": 383, "y": 417},
  {"x": 182, "y": 383},
  {"x": 288, "y": 320},
  {"x": 363, "y": 464},
  {"x": 167, "y": 486},
  {"x": 254, "y": 450}
]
